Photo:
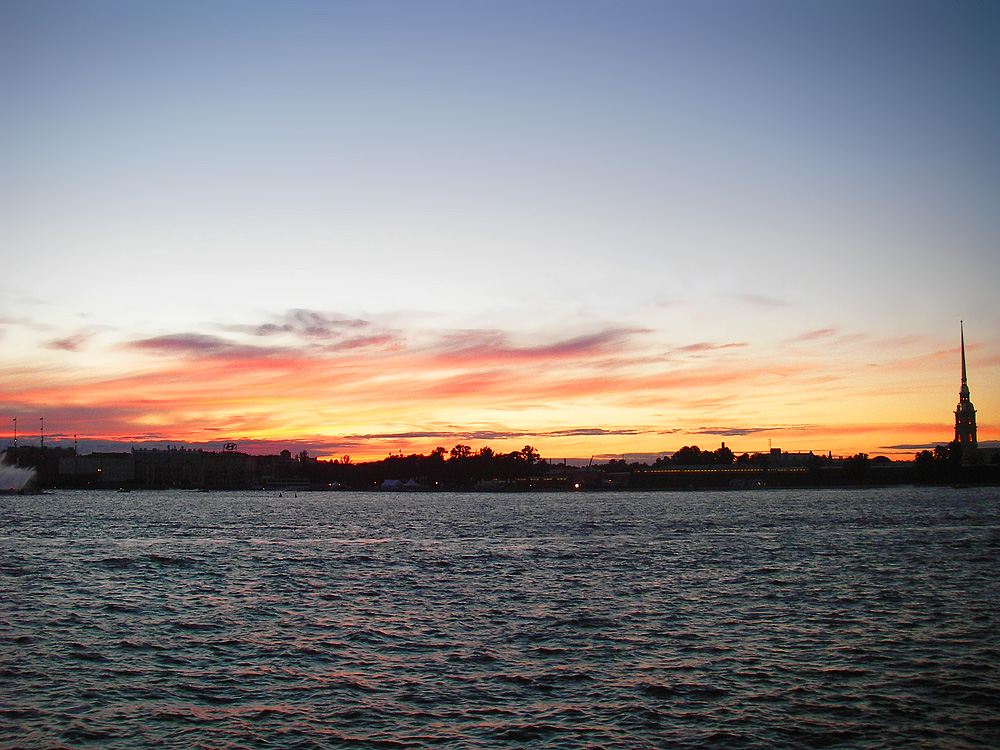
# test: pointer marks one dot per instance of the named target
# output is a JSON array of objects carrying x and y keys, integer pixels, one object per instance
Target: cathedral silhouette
[{"x": 965, "y": 413}]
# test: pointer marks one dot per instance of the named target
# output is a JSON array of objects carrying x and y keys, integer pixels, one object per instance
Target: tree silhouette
[
  {"x": 461, "y": 451},
  {"x": 529, "y": 454},
  {"x": 691, "y": 455},
  {"x": 723, "y": 456}
]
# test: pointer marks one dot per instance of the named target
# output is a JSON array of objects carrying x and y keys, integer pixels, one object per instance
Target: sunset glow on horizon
[{"x": 601, "y": 229}]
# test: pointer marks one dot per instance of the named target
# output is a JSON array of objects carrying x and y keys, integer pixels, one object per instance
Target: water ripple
[{"x": 690, "y": 620}]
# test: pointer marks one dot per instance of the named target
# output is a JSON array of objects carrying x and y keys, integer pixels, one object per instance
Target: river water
[{"x": 767, "y": 619}]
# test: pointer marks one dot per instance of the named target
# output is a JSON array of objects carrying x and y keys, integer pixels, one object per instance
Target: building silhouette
[{"x": 965, "y": 413}]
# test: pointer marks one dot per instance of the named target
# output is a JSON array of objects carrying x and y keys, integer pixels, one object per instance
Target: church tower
[{"x": 965, "y": 414}]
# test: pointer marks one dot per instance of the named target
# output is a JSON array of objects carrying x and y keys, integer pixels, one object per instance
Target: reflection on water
[{"x": 764, "y": 619}]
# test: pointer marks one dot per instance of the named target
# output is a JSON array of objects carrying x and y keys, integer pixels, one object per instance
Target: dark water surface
[{"x": 795, "y": 619}]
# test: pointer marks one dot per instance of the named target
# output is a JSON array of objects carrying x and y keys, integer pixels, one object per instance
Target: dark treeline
[
  {"x": 458, "y": 468},
  {"x": 465, "y": 468},
  {"x": 948, "y": 464}
]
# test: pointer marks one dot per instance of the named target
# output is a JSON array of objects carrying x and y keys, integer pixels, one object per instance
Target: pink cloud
[
  {"x": 705, "y": 346},
  {"x": 200, "y": 345},
  {"x": 311, "y": 324},
  {"x": 822, "y": 333},
  {"x": 72, "y": 343},
  {"x": 491, "y": 346},
  {"x": 317, "y": 376}
]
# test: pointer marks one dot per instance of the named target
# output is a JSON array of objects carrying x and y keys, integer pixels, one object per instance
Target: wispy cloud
[
  {"x": 201, "y": 346},
  {"x": 744, "y": 431},
  {"x": 73, "y": 343},
  {"x": 312, "y": 324},
  {"x": 707, "y": 346},
  {"x": 484, "y": 346},
  {"x": 458, "y": 433},
  {"x": 347, "y": 383},
  {"x": 385, "y": 340},
  {"x": 822, "y": 333},
  {"x": 762, "y": 301}
]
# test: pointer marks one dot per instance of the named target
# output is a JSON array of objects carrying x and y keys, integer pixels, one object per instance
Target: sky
[{"x": 599, "y": 228}]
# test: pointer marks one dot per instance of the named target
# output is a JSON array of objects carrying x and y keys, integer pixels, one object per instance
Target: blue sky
[{"x": 707, "y": 185}]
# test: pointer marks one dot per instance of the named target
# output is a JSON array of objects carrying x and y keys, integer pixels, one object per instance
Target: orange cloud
[{"x": 349, "y": 383}]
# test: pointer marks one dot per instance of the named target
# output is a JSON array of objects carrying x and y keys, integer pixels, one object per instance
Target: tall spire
[
  {"x": 965, "y": 378},
  {"x": 965, "y": 414}
]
